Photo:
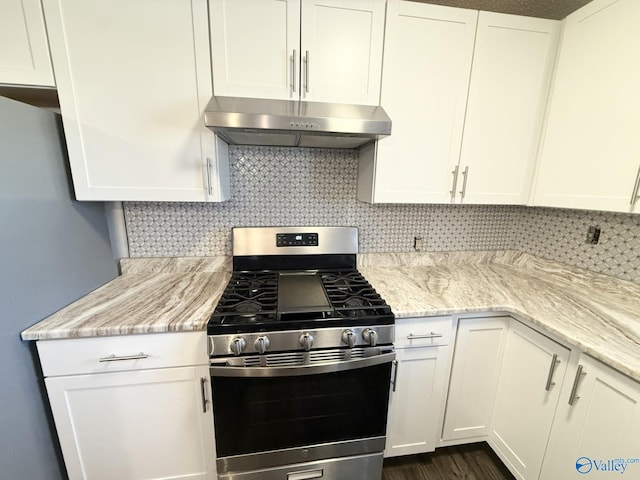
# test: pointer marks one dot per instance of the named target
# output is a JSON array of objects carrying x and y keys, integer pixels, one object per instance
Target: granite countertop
[
  {"x": 137, "y": 303},
  {"x": 598, "y": 314}
]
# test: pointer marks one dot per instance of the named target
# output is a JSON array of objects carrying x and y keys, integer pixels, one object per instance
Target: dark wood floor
[{"x": 469, "y": 462}]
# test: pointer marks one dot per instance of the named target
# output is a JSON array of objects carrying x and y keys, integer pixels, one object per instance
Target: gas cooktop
[{"x": 286, "y": 300}]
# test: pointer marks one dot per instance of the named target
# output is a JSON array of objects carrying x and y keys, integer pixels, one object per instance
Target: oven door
[{"x": 269, "y": 416}]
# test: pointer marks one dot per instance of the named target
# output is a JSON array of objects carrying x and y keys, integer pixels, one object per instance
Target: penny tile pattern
[{"x": 293, "y": 186}]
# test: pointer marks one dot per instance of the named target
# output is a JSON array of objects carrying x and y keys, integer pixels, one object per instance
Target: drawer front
[
  {"x": 423, "y": 332},
  {"x": 120, "y": 353}
]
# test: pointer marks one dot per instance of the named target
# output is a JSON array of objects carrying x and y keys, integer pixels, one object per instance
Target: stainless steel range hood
[{"x": 256, "y": 121}]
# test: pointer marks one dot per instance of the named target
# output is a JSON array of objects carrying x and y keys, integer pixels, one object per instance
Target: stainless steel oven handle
[{"x": 229, "y": 371}]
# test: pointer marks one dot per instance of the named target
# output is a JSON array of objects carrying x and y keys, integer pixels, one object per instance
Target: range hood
[{"x": 287, "y": 123}]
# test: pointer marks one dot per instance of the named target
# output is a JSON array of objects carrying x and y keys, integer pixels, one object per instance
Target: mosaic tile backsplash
[{"x": 292, "y": 186}]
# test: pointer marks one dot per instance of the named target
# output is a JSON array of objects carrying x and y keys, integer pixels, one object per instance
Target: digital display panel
[{"x": 296, "y": 239}]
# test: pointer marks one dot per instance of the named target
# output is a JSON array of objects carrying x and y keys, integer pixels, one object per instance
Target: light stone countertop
[
  {"x": 598, "y": 314},
  {"x": 137, "y": 303}
]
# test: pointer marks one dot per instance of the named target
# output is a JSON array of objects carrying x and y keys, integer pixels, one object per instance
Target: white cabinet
[
  {"x": 134, "y": 422},
  {"x": 590, "y": 155},
  {"x": 597, "y": 425},
  {"x": 475, "y": 370},
  {"x": 512, "y": 65},
  {"x": 316, "y": 50},
  {"x": 427, "y": 62},
  {"x": 418, "y": 385},
  {"x": 435, "y": 86},
  {"x": 532, "y": 373},
  {"x": 24, "y": 50},
  {"x": 133, "y": 81}
]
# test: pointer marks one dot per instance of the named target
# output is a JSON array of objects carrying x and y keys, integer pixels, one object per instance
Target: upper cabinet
[
  {"x": 133, "y": 81},
  {"x": 427, "y": 64},
  {"x": 316, "y": 50},
  {"x": 590, "y": 155},
  {"x": 511, "y": 72},
  {"x": 466, "y": 95},
  {"x": 24, "y": 50}
]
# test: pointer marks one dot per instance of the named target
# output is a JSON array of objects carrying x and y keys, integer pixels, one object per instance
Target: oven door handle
[{"x": 230, "y": 371}]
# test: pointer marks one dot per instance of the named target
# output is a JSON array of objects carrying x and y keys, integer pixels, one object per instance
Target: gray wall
[
  {"x": 53, "y": 250},
  {"x": 296, "y": 186}
]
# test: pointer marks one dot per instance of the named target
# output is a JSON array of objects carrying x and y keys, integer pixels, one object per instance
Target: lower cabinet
[
  {"x": 132, "y": 424},
  {"x": 418, "y": 385},
  {"x": 533, "y": 368},
  {"x": 596, "y": 430},
  {"x": 475, "y": 370}
]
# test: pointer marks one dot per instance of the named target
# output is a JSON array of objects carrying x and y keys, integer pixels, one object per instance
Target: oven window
[{"x": 261, "y": 414}]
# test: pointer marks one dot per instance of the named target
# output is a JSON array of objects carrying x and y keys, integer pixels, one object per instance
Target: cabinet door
[
  {"x": 341, "y": 48},
  {"x": 255, "y": 48},
  {"x": 24, "y": 50},
  {"x": 427, "y": 62},
  {"x": 600, "y": 429},
  {"x": 133, "y": 81},
  {"x": 533, "y": 369},
  {"x": 415, "y": 401},
  {"x": 512, "y": 65},
  {"x": 474, "y": 376},
  {"x": 591, "y": 151},
  {"x": 147, "y": 424}
]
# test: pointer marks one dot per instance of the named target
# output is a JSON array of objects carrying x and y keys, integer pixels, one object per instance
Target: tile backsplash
[{"x": 293, "y": 186}]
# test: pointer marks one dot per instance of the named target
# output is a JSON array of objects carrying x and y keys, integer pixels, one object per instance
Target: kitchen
[{"x": 322, "y": 185}]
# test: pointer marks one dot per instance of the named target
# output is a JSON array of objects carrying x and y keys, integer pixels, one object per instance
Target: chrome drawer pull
[
  {"x": 395, "y": 375},
  {"x": 552, "y": 368},
  {"x": 411, "y": 336},
  {"x": 574, "y": 389},
  {"x": 293, "y": 70},
  {"x": 203, "y": 392},
  {"x": 113, "y": 358},
  {"x": 465, "y": 175},
  {"x": 455, "y": 183},
  {"x": 636, "y": 187},
  {"x": 306, "y": 71},
  {"x": 209, "y": 180}
]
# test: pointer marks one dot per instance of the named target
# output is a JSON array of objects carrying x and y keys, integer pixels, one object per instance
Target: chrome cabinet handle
[
  {"x": 576, "y": 381},
  {"x": 552, "y": 368},
  {"x": 636, "y": 187},
  {"x": 114, "y": 358},
  {"x": 294, "y": 62},
  {"x": 306, "y": 71},
  {"x": 203, "y": 392},
  {"x": 395, "y": 375},
  {"x": 411, "y": 336},
  {"x": 455, "y": 184},
  {"x": 209, "y": 182},
  {"x": 465, "y": 175}
]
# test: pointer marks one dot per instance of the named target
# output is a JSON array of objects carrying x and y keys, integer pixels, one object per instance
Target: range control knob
[
  {"x": 238, "y": 345},
  {"x": 349, "y": 338},
  {"x": 306, "y": 341},
  {"x": 262, "y": 344},
  {"x": 371, "y": 336}
]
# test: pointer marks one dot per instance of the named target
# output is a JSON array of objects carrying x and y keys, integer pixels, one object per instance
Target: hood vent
[{"x": 287, "y": 123}]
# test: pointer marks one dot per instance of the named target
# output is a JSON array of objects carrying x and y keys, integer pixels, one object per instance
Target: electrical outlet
[
  {"x": 593, "y": 235},
  {"x": 417, "y": 244}
]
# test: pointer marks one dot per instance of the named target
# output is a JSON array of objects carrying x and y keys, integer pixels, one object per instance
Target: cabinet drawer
[
  {"x": 422, "y": 332},
  {"x": 118, "y": 353}
]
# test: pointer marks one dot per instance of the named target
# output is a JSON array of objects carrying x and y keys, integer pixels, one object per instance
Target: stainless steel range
[{"x": 301, "y": 349}]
